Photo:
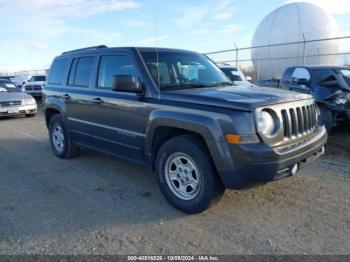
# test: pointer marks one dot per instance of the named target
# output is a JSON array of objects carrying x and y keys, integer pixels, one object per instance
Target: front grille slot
[
  {"x": 294, "y": 122},
  {"x": 298, "y": 121},
  {"x": 10, "y": 103}
]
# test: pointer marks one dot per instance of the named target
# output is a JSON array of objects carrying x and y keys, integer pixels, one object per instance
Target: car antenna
[{"x": 156, "y": 40}]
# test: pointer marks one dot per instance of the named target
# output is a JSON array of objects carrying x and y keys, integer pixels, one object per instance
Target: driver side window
[{"x": 300, "y": 73}]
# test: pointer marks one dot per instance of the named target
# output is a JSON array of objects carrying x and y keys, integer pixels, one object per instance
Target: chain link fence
[
  {"x": 268, "y": 61},
  {"x": 27, "y": 73}
]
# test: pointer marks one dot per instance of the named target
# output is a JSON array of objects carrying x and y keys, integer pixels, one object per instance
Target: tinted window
[
  {"x": 83, "y": 71},
  {"x": 114, "y": 65},
  {"x": 72, "y": 72},
  {"x": 301, "y": 73},
  {"x": 37, "y": 79},
  {"x": 57, "y": 71}
]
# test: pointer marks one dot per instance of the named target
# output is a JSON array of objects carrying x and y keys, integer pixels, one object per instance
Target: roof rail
[{"x": 85, "y": 49}]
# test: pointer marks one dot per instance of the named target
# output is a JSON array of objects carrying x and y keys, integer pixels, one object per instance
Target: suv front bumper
[{"x": 259, "y": 162}]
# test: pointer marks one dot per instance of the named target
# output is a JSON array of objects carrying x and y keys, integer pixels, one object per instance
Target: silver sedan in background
[{"x": 16, "y": 103}]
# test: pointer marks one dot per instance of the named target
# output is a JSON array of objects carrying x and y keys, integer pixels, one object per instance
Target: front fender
[
  {"x": 209, "y": 126},
  {"x": 55, "y": 104}
]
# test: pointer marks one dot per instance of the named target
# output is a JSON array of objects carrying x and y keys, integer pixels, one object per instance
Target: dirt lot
[{"x": 96, "y": 204}]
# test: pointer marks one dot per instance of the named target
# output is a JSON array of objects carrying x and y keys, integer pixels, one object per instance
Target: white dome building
[{"x": 291, "y": 23}]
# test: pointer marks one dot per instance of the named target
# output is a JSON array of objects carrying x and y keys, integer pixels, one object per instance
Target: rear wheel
[
  {"x": 186, "y": 175},
  {"x": 60, "y": 142}
]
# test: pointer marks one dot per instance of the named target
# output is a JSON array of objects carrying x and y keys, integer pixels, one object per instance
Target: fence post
[
  {"x": 236, "y": 54},
  {"x": 304, "y": 50}
]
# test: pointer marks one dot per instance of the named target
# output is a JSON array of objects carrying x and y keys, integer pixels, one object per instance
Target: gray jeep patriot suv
[{"x": 176, "y": 113}]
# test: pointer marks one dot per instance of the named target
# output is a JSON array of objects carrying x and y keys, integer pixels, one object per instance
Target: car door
[
  {"x": 77, "y": 98},
  {"x": 119, "y": 118}
]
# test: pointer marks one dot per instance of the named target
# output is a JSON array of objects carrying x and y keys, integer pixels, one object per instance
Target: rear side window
[
  {"x": 81, "y": 71},
  {"x": 57, "y": 71},
  {"x": 114, "y": 65}
]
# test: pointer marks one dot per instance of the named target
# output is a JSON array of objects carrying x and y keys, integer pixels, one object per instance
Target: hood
[
  {"x": 13, "y": 96},
  {"x": 235, "y": 97}
]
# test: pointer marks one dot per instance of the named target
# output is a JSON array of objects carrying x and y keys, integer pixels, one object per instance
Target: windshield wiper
[
  {"x": 192, "y": 86},
  {"x": 183, "y": 86},
  {"x": 223, "y": 84}
]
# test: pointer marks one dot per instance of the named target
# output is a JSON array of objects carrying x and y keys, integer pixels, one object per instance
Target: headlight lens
[
  {"x": 28, "y": 101},
  {"x": 265, "y": 123}
]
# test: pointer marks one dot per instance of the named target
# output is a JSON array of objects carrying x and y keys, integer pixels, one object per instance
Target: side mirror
[
  {"x": 126, "y": 83},
  {"x": 303, "y": 81},
  {"x": 249, "y": 78}
]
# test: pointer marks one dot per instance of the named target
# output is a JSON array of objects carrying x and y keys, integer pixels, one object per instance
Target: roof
[
  {"x": 321, "y": 66},
  {"x": 94, "y": 49}
]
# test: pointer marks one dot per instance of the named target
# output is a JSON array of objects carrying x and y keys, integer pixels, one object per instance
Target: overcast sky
[{"x": 32, "y": 32}]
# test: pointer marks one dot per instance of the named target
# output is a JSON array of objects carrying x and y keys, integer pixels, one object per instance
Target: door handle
[
  {"x": 66, "y": 96},
  {"x": 97, "y": 100}
]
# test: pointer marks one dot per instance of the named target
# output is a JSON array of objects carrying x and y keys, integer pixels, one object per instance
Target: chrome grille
[
  {"x": 299, "y": 121},
  {"x": 10, "y": 103},
  {"x": 28, "y": 88}
]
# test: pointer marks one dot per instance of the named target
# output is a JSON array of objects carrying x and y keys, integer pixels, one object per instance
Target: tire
[
  {"x": 194, "y": 200},
  {"x": 326, "y": 118},
  {"x": 63, "y": 147}
]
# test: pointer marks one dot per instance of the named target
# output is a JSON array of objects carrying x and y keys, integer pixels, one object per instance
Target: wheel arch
[{"x": 206, "y": 130}]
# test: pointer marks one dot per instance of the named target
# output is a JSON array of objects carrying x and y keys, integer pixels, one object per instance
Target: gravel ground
[{"x": 96, "y": 204}]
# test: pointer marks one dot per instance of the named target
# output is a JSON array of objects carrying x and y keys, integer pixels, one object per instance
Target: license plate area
[{"x": 12, "y": 110}]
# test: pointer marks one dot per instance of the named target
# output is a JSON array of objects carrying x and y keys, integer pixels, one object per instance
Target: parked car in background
[
  {"x": 235, "y": 75},
  {"x": 9, "y": 86},
  {"x": 330, "y": 87},
  {"x": 17, "y": 103},
  {"x": 7, "y": 77},
  {"x": 19, "y": 80},
  {"x": 34, "y": 85},
  {"x": 177, "y": 114},
  {"x": 268, "y": 83}
]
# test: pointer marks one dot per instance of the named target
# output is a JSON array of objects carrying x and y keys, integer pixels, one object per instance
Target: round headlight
[{"x": 266, "y": 123}]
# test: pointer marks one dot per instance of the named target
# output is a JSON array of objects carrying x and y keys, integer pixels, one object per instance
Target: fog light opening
[{"x": 294, "y": 169}]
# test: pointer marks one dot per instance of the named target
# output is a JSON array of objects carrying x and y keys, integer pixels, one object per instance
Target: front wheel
[{"x": 186, "y": 175}]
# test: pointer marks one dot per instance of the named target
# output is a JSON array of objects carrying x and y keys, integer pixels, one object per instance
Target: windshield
[
  {"x": 8, "y": 85},
  {"x": 180, "y": 70},
  {"x": 346, "y": 74},
  {"x": 37, "y": 79}
]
